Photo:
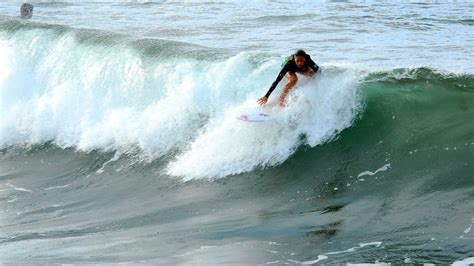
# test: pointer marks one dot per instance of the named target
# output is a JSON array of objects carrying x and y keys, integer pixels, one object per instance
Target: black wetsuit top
[{"x": 290, "y": 65}]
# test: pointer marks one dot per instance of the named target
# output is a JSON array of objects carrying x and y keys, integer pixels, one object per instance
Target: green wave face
[
  {"x": 418, "y": 121},
  {"x": 421, "y": 102}
]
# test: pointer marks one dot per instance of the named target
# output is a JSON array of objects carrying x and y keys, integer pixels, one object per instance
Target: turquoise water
[{"x": 119, "y": 141}]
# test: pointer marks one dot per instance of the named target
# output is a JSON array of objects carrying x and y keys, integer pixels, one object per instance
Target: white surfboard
[{"x": 256, "y": 117}]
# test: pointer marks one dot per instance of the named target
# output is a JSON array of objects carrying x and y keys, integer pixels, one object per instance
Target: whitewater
[{"x": 118, "y": 133}]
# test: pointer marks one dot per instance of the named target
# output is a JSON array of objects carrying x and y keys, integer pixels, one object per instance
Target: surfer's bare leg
[{"x": 292, "y": 80}]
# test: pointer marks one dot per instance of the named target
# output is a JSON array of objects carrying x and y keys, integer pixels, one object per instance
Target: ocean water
[{"x": 119, "y": 143}]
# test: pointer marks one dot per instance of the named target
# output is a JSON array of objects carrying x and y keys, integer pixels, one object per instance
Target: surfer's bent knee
[{"x": 292, "y": 78}]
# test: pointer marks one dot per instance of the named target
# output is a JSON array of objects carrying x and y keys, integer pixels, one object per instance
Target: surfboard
[{"x": 257, "y": 117}]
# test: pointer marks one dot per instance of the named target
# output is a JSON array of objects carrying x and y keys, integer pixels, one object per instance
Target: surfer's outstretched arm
[{"x": 263, "y": 100}]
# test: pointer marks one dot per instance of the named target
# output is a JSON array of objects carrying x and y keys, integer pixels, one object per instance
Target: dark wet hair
[
  {"x": 26, "y": 10},
  {"x": 300, "y": 53}
]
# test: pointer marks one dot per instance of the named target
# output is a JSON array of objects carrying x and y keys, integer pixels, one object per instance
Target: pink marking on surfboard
[{"x": 244, "y": 117}]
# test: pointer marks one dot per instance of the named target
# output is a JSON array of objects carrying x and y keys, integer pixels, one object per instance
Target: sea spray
[{"x": 315, "y": 112}]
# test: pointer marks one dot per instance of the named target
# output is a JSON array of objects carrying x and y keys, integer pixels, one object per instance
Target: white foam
[
  {"x": 18, "y": 188},
  {"x": 113, "y": 159},
  {"x": 5, "y": 64},
  {"x": 13, "y": 199},
  {"x": 109, "y": 99},
  {"x": 320, "y": 258},
  {"x": 272, "y": 262},
  {"x": 467, "y": 231},
  {"x": 318, "y": 110},
  {"x": 381, "y": 169},
  {"x": 464, "y": 262},
  {"x": 57, "y": 187},
  {"x": 353, "y": 249}
]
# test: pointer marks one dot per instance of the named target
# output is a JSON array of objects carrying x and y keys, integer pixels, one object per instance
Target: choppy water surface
[{"x": 119, "y": 141}]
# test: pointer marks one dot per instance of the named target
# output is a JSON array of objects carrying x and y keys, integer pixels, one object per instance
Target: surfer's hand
[
  {"x": 309, "y": 72},
  {"x": 262, "y": 100}
]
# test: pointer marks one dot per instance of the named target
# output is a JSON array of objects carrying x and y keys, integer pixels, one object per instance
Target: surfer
[
  {"x": 26, "y": 11},
  {"x": 301, "y": 63}
]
